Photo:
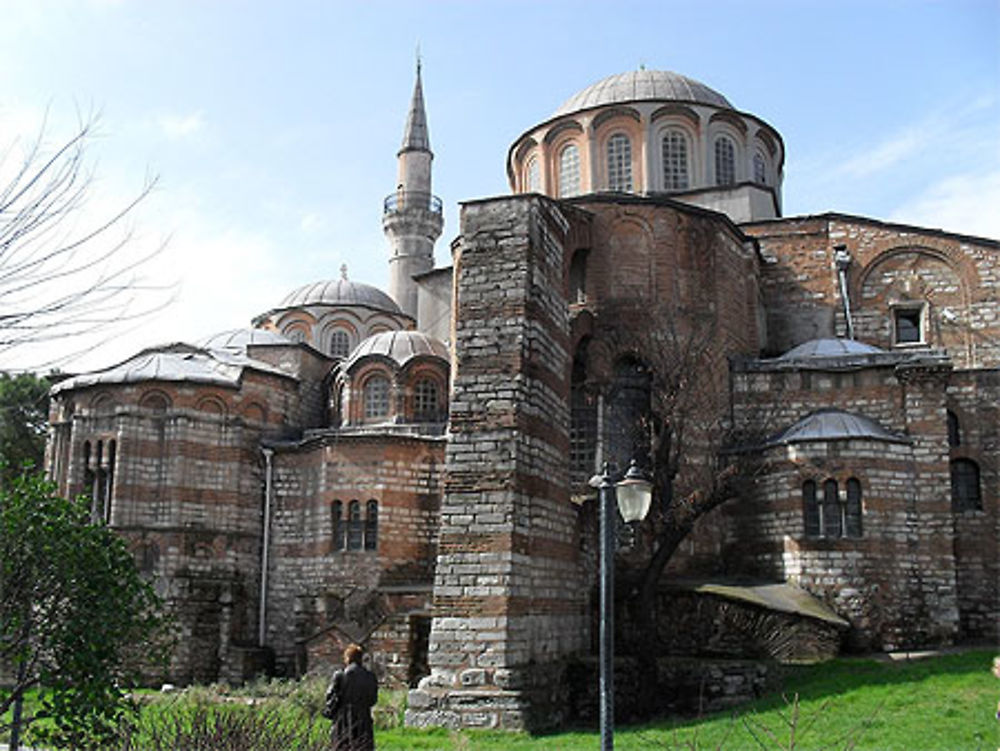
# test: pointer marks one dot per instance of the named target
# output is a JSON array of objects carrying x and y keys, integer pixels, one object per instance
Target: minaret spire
[
  {"x": 412, "y": 219},
  {"x": 416, "y": 136}
]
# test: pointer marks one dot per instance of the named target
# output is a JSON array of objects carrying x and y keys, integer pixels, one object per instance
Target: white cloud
[
  {"x": 176, "y": 127},
  {"x": 965, "y": 203}
]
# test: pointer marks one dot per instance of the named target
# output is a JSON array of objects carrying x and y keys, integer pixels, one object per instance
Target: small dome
[
  {"x": 240, "y": 339},
  {"x": 835, "y": 424},
  {"x": 399, "y": 346},
  {"x": 340, "y": 292},
  {"x": 825, "y": 348},
  {"x": 643, "y": 85}
]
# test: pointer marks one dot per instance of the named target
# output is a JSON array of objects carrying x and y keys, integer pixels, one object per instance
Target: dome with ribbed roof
[
  {"x": 340, "y": 292},
  {"x": 643, "y": 85},
  {"x": 833, "y": 424},
  {"x": 826, "y": 348},
  {"x": 398, "y": 346}
]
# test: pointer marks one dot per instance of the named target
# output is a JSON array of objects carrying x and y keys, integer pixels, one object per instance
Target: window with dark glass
[
  {"x": 371, "y": 525},
  {"x": 908, "y": 325},
  {"x": 810, "y": 509},
  {"x": 337, "y": 524},
  {"x": 355, "y": 526},
  {"x": 954, "y": 430},
  {"x": 965, "y": 490},
  {"x": 583, "y": 421},
  {"x": 853, "y": 510}
]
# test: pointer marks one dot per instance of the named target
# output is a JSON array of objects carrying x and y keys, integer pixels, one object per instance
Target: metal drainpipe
[
  {"x": 843, "y": 259},
  {"x": 268, "y": 474}
]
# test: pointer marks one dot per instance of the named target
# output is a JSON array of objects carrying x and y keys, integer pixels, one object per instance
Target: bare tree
[{"x": 65, "y": 273}]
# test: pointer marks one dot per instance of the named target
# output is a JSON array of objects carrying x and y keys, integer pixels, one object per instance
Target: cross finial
[
  {"x": 343, "y": 271},
  {"x": 418, "y": 59}
]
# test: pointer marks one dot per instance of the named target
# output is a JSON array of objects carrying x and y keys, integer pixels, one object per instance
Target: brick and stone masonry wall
[
  {"x": 508, "y": 600},
  {"x": 314, "y": 587}
]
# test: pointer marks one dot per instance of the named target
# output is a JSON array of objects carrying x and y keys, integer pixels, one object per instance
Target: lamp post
[{"x": 632, "y": 496}]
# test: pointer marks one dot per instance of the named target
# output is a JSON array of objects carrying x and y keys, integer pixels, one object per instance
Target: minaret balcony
[{"x": 403, "y": 200}]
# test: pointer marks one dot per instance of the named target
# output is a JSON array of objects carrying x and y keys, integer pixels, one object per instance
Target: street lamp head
[{"x": 635, "y": 493}]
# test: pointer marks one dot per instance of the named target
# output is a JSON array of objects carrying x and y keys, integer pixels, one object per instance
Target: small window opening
[
  {"x": 908, "y": 325},
  {"x": 371, "y": 525},
  {"x": 965, "y": 490},
  {"x": 355, "y": 530},
  {"x": 337, "y": 524}
]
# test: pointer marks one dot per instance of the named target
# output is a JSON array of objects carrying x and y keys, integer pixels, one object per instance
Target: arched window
[
  {"x": 810, "y": 509},
  {"x": 296, "y": 335},
  {"x": 426, "y": 404},
  {"x": 954, "y": 430},
  {"x": 759, "y": 169},
  {"x": 852, "y": 525},
  {"x": 965, "y": 495},
  {"x": 675, "y": 160},
  {"x": 371, "y": 525},
  {"x": 725, "y": 161},
  {"x": 376, "y": 397},
  {"x": 340, "y": 344},
  {"x": 628, "y": 413},
  {"x": 830, "y": 516},
  {"x": 569, "y": 171},
  {"x": 99, "y": 477},
  {"x": 534, "y": 176},
  {"x": 578, "y": 277},
  {"x": 337, "y": 524},
  {"x": 355, "y": 530},
  {"x": 583, "y": 420},
  {"x": 620, "y": 163}
]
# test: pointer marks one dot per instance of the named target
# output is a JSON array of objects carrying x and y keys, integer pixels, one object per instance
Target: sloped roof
[
  {"x": 825, "y": 348},
  {"x": 835, "y": 424}
]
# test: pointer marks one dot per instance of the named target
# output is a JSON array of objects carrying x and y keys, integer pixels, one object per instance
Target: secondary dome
[
  {"x": 340, "y": 292},
  {"x": 398, "y": 346},
  {"x": 643, "y": 85}
]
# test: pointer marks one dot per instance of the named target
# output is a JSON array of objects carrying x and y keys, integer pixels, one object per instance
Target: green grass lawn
[{"x": 944, "y": 703}]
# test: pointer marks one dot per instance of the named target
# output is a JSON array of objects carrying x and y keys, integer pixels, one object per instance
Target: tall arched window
[
  {"x": 534, "y": 176},
  {"x": 725, "y": 161},
  {"x": 355, "y": 530},
  {"x": 340, "y": 344},
  {"x": 628, "y": 413},
  {"x": 830, "y": 518},
  {"x": 852, "y": 525},
  {"x": 620, "y": 163},
  {"x": 675, "y": 160},
  {"x": 371, "y": 525},
  {"x": 759, "y": 169},
  {"x": 376, "y": 397},
  {"x": 810, "y": 509},
  {"x": 583, "y": 420},
  {"x": 965, "y": 495},
  {"x": 337, "y": 524},
  {"x": 569, "y": 171},
  {"x": 426, "y": 404}
]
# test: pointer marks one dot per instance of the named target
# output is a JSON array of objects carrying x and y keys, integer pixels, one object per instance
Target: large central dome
[{"x": 643, "y": 85}]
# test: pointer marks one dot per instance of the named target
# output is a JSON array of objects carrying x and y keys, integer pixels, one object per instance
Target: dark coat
[{"x": 353, "y": 692}]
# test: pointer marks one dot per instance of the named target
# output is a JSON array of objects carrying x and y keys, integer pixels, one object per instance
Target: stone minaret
[{"x": 412, "y": 217}]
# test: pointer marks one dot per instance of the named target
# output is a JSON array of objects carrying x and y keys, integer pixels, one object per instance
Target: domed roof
[
  {"x": 835, "y": 424},
  {"x": 823, "y": 348},
  {"x": 340, "y": 292},
  {"x": 239, "y": 339},
  {"x": 643, "y": 85},
  {"x": 399, "y": 346}
]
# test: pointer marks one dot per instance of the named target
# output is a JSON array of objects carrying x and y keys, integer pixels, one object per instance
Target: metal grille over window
[
  {"x": 355, "y": 528},
  {"x": 340, "y": 344},
  {"x": 725, "y": 161},
  {"x": 569, "y": 171},
  {"x": 620, "y": 163},
  {"x": 376, "y": 397},
  {"x": 425, "y": 401},
  {"x": 675, "y": 161}
]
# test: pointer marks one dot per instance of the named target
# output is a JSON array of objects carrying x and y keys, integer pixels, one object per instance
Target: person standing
[{"x": 349, "y": 701}]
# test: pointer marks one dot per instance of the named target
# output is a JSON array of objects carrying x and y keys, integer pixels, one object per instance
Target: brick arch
[
  {"x": 155, "y": 400},
  {"x": 629, "y": 265},
  {"x": 965, "y": 270},
  {"x": 103, "y": 402},
  {"x": 255, "y": 412},
  {"x": 212, "y": 405}
]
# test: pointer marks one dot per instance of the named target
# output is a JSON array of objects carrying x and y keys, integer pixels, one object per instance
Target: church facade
[{"x": 410, "y": 469}]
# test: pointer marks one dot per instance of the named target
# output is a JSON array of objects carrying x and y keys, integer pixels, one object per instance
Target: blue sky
[{"x": 274, "y": 126}]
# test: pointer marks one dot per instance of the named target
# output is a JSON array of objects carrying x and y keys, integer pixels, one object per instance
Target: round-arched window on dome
[
  {"x": 675, "y": 160},
  {"x": 376, "y": 397},
  {"x": 534, "y": 176},
  {"x": 619, "y": 163},
  {"x": 725, "y": 161},
  {"x": 759, "y": 169},
  {"x": 569, "y": 171},
  {"x": 340, "y": 344},
  {"x": 426, "y": 401}
]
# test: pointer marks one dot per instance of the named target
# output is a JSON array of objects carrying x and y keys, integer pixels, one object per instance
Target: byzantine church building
[{"x": 409, "y": 468}]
